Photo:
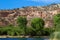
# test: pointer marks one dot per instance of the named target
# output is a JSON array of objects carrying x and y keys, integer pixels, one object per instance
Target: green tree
[
  {"x": 22, "y": 22},
  {"x": 37, "y": 24},
  {"x": 56, "y": 19}
]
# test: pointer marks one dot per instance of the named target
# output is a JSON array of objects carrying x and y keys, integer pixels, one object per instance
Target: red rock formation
[{"x": 45, "y": 13}]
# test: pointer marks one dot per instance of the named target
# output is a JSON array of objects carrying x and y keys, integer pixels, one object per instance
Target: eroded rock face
[{"x": 46, "y": 13}]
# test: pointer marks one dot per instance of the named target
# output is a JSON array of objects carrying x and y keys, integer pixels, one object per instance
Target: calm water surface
[{"x": 24, "y": 39}]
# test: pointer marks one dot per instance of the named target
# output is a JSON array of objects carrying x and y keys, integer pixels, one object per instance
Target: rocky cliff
[{"x": 45, "y": 12}]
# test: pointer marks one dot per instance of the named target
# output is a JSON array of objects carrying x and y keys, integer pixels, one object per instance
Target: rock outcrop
[{"x": 45, "y": 12}]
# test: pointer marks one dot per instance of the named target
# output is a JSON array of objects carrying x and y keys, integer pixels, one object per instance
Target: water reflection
[
  {"x": 23, "y": 38},
  {"x": 34, "y": 38}
]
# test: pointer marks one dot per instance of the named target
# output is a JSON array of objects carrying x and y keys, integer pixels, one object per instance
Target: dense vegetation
[
  {"x": 56, "y": 34},
  {"x": 36, "y": 29},
  {"x": 57, "y": 22}
]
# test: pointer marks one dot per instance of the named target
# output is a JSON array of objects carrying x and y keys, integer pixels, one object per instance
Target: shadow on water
[
  {"x": 23, "y": 38},
  {"x": 13, "y": 38},
  {"x": 37, "y": 39}
]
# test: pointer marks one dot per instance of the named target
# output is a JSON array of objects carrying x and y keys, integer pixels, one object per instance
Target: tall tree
[
  {"x": 37, "y": 24},
  {"x": 22, "y": 22}
]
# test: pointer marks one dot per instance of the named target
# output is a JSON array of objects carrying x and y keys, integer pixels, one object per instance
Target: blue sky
[{"x": 10, "y": 4}]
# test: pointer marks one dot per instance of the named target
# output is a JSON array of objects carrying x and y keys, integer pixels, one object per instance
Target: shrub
[
  {"x": 16, "y": 31},
  {"x": 11, "y": 31},
  {"x": 47, "y": 31},
  {"x": 30, "y": 31},
  {"x": 3, "y": 31}
]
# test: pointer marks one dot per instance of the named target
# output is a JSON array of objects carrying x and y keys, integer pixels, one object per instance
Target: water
[{"x": 24, "y": 39}]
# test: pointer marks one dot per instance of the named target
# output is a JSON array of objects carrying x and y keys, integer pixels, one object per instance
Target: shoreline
[{"x": 23, "y": 36}]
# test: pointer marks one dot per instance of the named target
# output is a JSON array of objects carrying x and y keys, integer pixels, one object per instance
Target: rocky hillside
[{"x": 45, "y": 12}]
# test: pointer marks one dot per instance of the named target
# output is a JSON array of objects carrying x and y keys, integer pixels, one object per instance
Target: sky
[{"x": 11, "y": 4}]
